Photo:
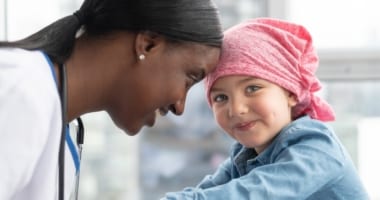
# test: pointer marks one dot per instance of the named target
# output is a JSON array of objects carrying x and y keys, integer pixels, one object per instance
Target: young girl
[{"x": 262, "y": 94}]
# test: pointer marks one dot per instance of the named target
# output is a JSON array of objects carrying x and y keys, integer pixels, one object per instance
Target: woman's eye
[
  {"x": 193, "y": 79},
  {"x": 252, "y": 88},
  {"x": 220, "y": 98}
]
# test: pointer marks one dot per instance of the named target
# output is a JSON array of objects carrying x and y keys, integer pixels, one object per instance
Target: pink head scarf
[{"x": 277, "y": 51}]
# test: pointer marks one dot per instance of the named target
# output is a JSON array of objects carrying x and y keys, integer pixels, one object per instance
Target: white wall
[{"x": 369, "y": 159}]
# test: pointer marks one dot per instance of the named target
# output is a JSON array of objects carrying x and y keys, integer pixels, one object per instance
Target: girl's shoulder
[
  {"x": 306, "y": 134},
  {"x": 304, "y": 126}
]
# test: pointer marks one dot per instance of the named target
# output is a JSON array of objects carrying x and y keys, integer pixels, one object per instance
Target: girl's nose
[{"x": 237, "y": 108}]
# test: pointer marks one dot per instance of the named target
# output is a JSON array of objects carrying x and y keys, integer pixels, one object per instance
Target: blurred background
[{"x": 180, "y": 151}]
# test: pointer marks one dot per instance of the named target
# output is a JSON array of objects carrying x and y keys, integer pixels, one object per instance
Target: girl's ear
[
  {"x": 147, "y": 42},
  {"x": 292, "y": 99}
]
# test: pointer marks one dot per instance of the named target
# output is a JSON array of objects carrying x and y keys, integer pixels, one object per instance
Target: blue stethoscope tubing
[
  {"x": 80, "y": 137},
  {"x": 80, "y": 140}
]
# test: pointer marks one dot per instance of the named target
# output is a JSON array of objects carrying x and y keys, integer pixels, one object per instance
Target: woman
[{"x": 128, "y": 58}]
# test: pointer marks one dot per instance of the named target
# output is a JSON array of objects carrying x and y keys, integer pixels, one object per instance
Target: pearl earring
[{"x": 141, "y": 56}]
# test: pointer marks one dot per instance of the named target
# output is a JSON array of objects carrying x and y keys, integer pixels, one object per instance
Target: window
[{"x": 352, "y": 82}]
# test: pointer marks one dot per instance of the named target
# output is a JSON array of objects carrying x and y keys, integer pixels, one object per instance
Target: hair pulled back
[{"x": 177, "y": 20}]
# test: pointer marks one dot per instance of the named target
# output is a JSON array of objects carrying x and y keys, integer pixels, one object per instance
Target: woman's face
[
  {"x": 251, "y": 110},
  {"x": 160, "y": 82}
]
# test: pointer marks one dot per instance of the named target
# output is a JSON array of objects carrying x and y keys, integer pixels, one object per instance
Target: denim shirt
[{"x": 305, "y": 161}]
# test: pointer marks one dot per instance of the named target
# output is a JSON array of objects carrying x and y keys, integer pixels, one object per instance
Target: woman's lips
[
  {"x": 151, "y": 119},
  {"x": 163, "y": 111}
]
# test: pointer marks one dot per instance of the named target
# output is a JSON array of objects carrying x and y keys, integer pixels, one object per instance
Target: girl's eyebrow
[
  {"x": 242, "y": 81},
  {"x": 214, "y": 89},
  {"x": 247, "y": 79}
]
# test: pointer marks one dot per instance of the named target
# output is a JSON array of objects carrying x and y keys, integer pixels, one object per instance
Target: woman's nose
[{"x": 178, "y": 107}]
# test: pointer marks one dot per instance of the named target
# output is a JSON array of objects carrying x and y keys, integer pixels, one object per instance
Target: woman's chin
[
  {"x": 132, "y": 132},
  {"x": 132, "y": 129}
]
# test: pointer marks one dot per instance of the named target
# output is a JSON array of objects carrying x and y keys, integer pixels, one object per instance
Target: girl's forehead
[
  {"x": 239, "y": 80},
  {"x": 236, "y": 78},
  {"x": 230, "y": 80}
]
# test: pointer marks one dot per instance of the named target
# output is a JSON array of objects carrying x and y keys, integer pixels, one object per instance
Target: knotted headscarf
[{"x": 280, "y": 52}]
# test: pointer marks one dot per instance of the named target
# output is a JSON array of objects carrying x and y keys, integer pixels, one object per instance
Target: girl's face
[
  {"x": 160, "y": 83},
  {"x": 251, "y": 110}
]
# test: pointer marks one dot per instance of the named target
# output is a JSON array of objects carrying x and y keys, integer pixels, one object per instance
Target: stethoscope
[{"x": 79, "y": 139}]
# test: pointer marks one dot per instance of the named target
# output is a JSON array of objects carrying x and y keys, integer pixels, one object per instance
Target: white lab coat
[{"x": 30, "y": 129}]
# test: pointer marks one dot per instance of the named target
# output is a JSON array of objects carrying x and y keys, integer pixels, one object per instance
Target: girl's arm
[{"x": 300, "y": 165}]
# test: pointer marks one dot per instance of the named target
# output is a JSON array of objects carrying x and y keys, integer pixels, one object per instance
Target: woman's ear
[{"x": 145, "y": 43}]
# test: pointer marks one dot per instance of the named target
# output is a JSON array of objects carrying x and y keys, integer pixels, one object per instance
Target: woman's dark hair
[{"x": 177, "y": 20}]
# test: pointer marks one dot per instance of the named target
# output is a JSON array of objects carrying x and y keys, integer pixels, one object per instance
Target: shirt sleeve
[
  {"x": 299, "y": 166},
  {"x": 220, "y": 177},
  {"x": 23, "y": 134}
]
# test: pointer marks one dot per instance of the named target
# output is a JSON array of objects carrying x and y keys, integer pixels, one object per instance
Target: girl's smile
[
  {"x": 251, "y": 110},
  {"x": 244, "y": 126}
]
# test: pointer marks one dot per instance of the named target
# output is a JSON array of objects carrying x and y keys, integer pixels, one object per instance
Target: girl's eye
[
  {"x": 252, "y": 88},
  {"x": 220, "y": 98}
]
